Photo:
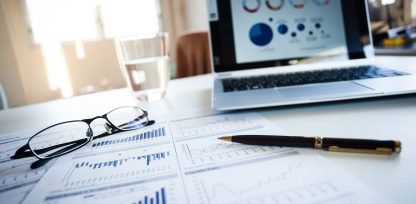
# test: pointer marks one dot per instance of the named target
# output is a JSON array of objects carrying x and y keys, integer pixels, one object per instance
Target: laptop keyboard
[{"x": 308, "y": 77}]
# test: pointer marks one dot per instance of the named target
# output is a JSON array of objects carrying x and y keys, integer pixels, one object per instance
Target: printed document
[
  {"x": 182, "y": 161},
  {"x": 16, "y": 177}
]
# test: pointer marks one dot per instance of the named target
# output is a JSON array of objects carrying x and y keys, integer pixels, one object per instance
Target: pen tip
[{"x": 225, "y": 138}]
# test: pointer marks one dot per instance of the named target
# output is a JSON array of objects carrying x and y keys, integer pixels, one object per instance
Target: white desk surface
[{"x": 382, "y": 118}]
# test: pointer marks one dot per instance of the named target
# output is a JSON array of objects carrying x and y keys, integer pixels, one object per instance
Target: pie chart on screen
[{"x": 261, "y": 34}]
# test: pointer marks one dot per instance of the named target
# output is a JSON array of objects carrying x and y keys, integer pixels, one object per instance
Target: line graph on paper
[
  {"x": 213, "y": 125},
  {"x": 16, "y": 177},
  {"x": 214, "y": 149},
  {"x": 7, "y": 151},
  {"x": 281, "y": 181},
  {"x": 222, "y": 188},
  {"x": 9, "y": 143},
  {"x": 205, "y": 152},
  {"x": 220, "y": 150},
  {"x": 19, "y": 174},
  {"x": 285, "y": 185},
  {"x": 304, "y": 194}
]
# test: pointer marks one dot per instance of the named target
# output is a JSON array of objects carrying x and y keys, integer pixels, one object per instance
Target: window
[
  {"x": 56, "y": 21},
  {"x": 74, "y": 20}
]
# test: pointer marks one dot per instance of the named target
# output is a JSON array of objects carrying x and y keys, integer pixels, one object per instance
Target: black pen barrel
[
  {"x": 283, "y": 141},
  {"x": 358, "y": 143},
  {"x": 329, "y": 144}
]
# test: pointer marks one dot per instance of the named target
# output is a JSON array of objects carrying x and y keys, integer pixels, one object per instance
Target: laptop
[{"x": 284, "y": 52}]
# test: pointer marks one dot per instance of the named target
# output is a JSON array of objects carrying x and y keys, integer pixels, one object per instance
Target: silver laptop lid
[{"x": 253, "y": 34}]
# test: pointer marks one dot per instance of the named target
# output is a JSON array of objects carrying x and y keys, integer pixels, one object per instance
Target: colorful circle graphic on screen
[
  {"x": 274, "y": 5},
  {"x": 301, "y": 27},
  {"x": 261, "y": 34},
  {"x": 298, "y": 3},
  {"x": 251, "y": 6},
  {"x": 322, "y": 2},
  {"x": 282, "y": 29}
]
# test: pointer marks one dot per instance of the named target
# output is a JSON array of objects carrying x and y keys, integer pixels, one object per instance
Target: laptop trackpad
[{"x": 329, "y": 90}]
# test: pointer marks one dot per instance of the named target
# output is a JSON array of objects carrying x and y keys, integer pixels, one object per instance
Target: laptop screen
[{"x": 249, "y": 34}]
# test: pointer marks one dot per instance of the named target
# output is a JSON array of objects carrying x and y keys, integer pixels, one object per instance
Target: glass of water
[{"x": 144, "y": 62}]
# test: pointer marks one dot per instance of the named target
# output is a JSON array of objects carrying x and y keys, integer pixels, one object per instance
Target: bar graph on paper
[
  {"x": 146, "y": 137},
  {"x": 119, "y": 162},
  {"x": 159, "y": 197},
  {"x": 140, "y": 137},
  {"x": 127, "y": 166}
]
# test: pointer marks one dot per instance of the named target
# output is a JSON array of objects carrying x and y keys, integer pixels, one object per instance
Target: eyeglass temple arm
[
  {"x": 42, "y": 162},
  {"x": 22, "y": 153}
]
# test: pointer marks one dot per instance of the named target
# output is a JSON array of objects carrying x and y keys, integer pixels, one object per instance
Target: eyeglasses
[{"x": 65, "y": 137}]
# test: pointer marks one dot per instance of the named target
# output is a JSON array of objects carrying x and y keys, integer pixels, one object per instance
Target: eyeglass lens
[
  {"x": 66, "y": 137},
  {"x": 59, "y": 139},
  {"x": 128, "y": 118}
]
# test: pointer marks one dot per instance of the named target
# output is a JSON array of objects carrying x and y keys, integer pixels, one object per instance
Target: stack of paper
[{"x": 183, "y": 162}]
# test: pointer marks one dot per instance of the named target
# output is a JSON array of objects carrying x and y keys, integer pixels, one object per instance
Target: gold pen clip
[{"x": 379, "y": 150}]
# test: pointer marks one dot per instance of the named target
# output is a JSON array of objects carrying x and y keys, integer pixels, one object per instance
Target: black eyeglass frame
[{"x": 28, "y": 151}]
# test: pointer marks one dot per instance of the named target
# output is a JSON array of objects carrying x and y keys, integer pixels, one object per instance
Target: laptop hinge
[{"x": 224, "y": 75}]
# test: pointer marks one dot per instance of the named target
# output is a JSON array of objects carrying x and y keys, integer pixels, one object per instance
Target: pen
[{"x": 328, "y": 144}]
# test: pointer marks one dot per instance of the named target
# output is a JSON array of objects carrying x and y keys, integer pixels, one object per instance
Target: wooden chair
[{"x": 192, "y": 54}]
